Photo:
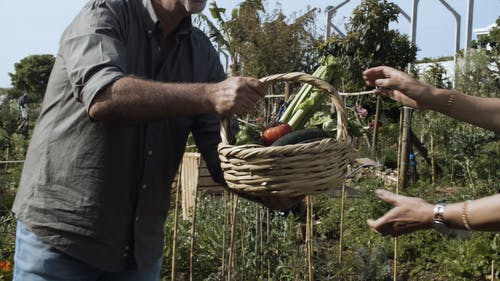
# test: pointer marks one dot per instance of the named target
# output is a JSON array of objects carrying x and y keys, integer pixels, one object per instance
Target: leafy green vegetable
[
  {"x": 248, "y": 134},
  {"x": 309, "y": 99}
]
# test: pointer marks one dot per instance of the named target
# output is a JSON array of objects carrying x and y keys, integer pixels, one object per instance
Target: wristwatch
[
  {"x": 439, "y": 223},
  {"x": 442, "y": 227}
]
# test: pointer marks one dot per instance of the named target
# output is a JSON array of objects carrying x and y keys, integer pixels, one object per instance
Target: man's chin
[{"x": 195, "y": 7}]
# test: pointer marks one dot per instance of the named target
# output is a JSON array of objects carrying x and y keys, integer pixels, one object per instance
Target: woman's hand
[
  {"x": 408, "y": 215},
  {"x": 399, "y": 86}
]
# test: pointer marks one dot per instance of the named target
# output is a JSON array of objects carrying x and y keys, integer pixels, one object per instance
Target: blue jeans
[{"x": 36, "y": 261}]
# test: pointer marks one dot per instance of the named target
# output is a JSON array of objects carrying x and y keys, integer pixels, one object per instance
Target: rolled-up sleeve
[{"x": 94, "y": 51}]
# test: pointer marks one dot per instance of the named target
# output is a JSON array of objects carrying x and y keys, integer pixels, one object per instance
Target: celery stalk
[
  {"x": 308, "y": 99},
  {"x": 303, "y": 94}
]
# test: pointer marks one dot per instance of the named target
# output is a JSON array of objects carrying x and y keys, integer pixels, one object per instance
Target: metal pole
[
  {"x": 457, "y": 36},
  {"x": 457, "y": 24},
  {"x": 329, "y": 22},
  {"x": 329, "y": 15},
  {"x": 468, "y": 24},
  {"x": 405, "y": 15},
  {"x": 414, "y": 18}
]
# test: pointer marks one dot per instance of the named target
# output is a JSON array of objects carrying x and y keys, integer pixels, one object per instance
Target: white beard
[{"x": 194, "y": 6}]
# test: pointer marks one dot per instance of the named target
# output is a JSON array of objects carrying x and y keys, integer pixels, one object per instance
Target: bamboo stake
[
  {"x": 256, "y": 245},
  {"x": 403, "y": 160},
  {"x": 287, "y": 91},
  {"x": 193, "y": 234},
  {"x": 312, "y": 230},
  {"x": 309, "y": 236},
  {"x": 6, "y": 159},
  {"x": 176, "y": 223},
  {"x": 395, "y": 262},
  {"x": 375, "y": 127},
  {"x": 224, "y": 230},
  {"x": 242, "y": 235},
  {"x": 342, "y": 208},
  {"x": 233, "y": 238},
  {"x": 492, "y": 270},
  {"x": 261, "y": 240},
  {"x": 402, "y": 165},
  {"x": 433, "y": 164},
  {"x": 268, "y": 240}
]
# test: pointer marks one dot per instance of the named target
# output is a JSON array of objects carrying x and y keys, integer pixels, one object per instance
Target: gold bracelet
[
  {"x": 465, "y": 215},
  {"x": 451, "y": 97}
]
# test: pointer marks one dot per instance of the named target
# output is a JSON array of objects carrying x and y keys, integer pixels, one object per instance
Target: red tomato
[{"x": 271, "y": 134}]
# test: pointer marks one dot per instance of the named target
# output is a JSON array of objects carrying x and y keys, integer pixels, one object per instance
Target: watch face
[{"x": 439, "y": 212}]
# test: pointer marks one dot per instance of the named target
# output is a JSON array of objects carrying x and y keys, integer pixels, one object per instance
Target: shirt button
[
  {"x": 137, "y": 218},
  {"x": 150, "y": 32},
  {"x": 144, "y": 186},
  {"x": 125, "y": 254},
  {"x": 150, "y": 152}
]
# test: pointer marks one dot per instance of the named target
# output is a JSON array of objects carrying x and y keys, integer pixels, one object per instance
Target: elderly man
[{"x": 131, "y": 79}]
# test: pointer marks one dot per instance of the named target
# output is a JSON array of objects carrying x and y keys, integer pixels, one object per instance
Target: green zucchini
[{"x": 299, "y": 136}]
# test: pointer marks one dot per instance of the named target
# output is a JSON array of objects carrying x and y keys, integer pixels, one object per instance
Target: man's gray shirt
[{"x": 100, "y": 191}]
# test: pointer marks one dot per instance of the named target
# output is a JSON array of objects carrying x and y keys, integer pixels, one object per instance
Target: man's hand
[
  {"x": 235, "y": 95},
  {"x": 408, "y": 215},
  {"x": 399, "y": 86}
]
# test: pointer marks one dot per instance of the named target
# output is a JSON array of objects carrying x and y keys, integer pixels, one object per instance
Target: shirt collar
[
  {"x": 184, "y": 29},
  {"x": 150, "y": 16}
]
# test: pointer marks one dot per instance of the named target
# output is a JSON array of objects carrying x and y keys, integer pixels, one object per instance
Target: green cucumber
[{"x": 299, "y": 136}]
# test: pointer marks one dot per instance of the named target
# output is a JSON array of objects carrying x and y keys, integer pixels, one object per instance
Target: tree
[
  {"x": 492, "y": 39},
  {"x": 369, "y": 42},
  {"x": 260, "y": 44},
  {"x": 436, "y": 75},
  {"x": 277, "y": 46},
  {"x": 32, "y": 74}
]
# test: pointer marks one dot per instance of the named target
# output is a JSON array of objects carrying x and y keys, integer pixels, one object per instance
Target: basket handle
[{"x": 304, "y": 78}]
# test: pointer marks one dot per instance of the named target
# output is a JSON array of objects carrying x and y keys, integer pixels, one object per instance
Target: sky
[{"x": 32, "y": 27}]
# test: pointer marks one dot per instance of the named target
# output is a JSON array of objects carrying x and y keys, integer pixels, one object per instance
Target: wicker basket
[{"x": 289, "y": 170}]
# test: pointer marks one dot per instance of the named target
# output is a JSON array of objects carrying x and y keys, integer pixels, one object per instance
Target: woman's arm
[
  {"x": 411, "y": 214},
  {"x": 483, "y": 112}
]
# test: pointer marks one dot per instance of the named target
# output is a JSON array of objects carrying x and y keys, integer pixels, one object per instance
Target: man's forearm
[{"x": 135, "y": 99}]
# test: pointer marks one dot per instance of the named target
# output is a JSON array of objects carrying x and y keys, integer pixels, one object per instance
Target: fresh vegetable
[
  {"x": 271, "y": 134},
  {"x": 299, "y": 136},
  {"x": 309, "y": 99},
  {"x": 248, "y": 135}
]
